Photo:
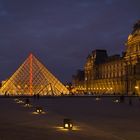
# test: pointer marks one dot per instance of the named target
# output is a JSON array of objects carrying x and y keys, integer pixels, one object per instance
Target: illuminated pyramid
[{"x": 31, "y": 78}]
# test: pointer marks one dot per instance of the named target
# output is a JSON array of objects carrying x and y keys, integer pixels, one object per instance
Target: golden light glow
[
  {"x": 97, "y": 99},
  {"x": 136, "y": 87},
  {"x": 16, "y": 100},
  {"x": 71, "y": 125},
  {"x": 20, "y": 102},
  {"x": 74, "y": 128},
  {"x": 116, "y": 101},
  {"x": 27, "y": 105},
  {"x": 66, "y": 125},
  {"x": 25, "y": 86},
  {"x": 39, "y": 111},
  {"x": 36, "y": 113}
]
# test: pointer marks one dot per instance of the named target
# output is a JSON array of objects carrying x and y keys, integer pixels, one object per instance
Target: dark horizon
[{"x": 62, "y": 34}]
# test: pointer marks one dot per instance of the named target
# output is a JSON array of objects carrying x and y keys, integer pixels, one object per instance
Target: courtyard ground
[{"x": 103, "y": 119}]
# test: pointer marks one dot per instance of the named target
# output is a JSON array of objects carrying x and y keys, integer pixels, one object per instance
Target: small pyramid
[{"x": 31, "y": 78}]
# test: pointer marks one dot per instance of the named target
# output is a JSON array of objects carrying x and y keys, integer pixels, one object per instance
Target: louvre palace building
[{"x": 103, "y": 74}]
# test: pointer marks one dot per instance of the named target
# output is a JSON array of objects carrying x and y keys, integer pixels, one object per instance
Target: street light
[
  {"x": 136, "y": 87},
  {"x": 20, "y": 102},
  {"x": 97, "y": 98},
  {"x": 39, "y": 110},
  {"x": 67, "y": 124},
  {"x": 27, "y": 103}
]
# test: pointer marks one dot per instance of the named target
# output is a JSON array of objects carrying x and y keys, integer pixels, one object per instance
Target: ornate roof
[
  {"x": 134, "y": 37},
  {"x": 136, "y": 27}
]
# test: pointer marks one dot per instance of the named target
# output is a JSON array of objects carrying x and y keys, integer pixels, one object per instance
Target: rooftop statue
[{"x": 136, "y": 27}]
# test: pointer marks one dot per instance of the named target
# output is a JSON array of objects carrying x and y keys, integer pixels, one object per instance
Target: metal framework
[{"x": 31, "y": 78}]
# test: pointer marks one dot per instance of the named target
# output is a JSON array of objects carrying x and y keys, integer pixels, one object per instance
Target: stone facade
[{"x": 115, "y": 74}]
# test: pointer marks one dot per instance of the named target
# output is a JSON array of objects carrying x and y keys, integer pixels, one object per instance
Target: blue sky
[{"x": 61, "y": 33}]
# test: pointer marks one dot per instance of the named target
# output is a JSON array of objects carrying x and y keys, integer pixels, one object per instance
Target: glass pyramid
[{"x": 31, "y": 78}]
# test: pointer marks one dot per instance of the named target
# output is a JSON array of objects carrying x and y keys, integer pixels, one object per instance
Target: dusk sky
[{"x": 61, "y": 33}]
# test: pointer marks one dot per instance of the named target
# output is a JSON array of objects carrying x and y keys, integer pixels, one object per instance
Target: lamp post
[
  {"x": 126, "y": 77},
  {"x": 136, "y": 89},
  {"x": 67, "y": 124},
  {"x": 39, "y": 110}
]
